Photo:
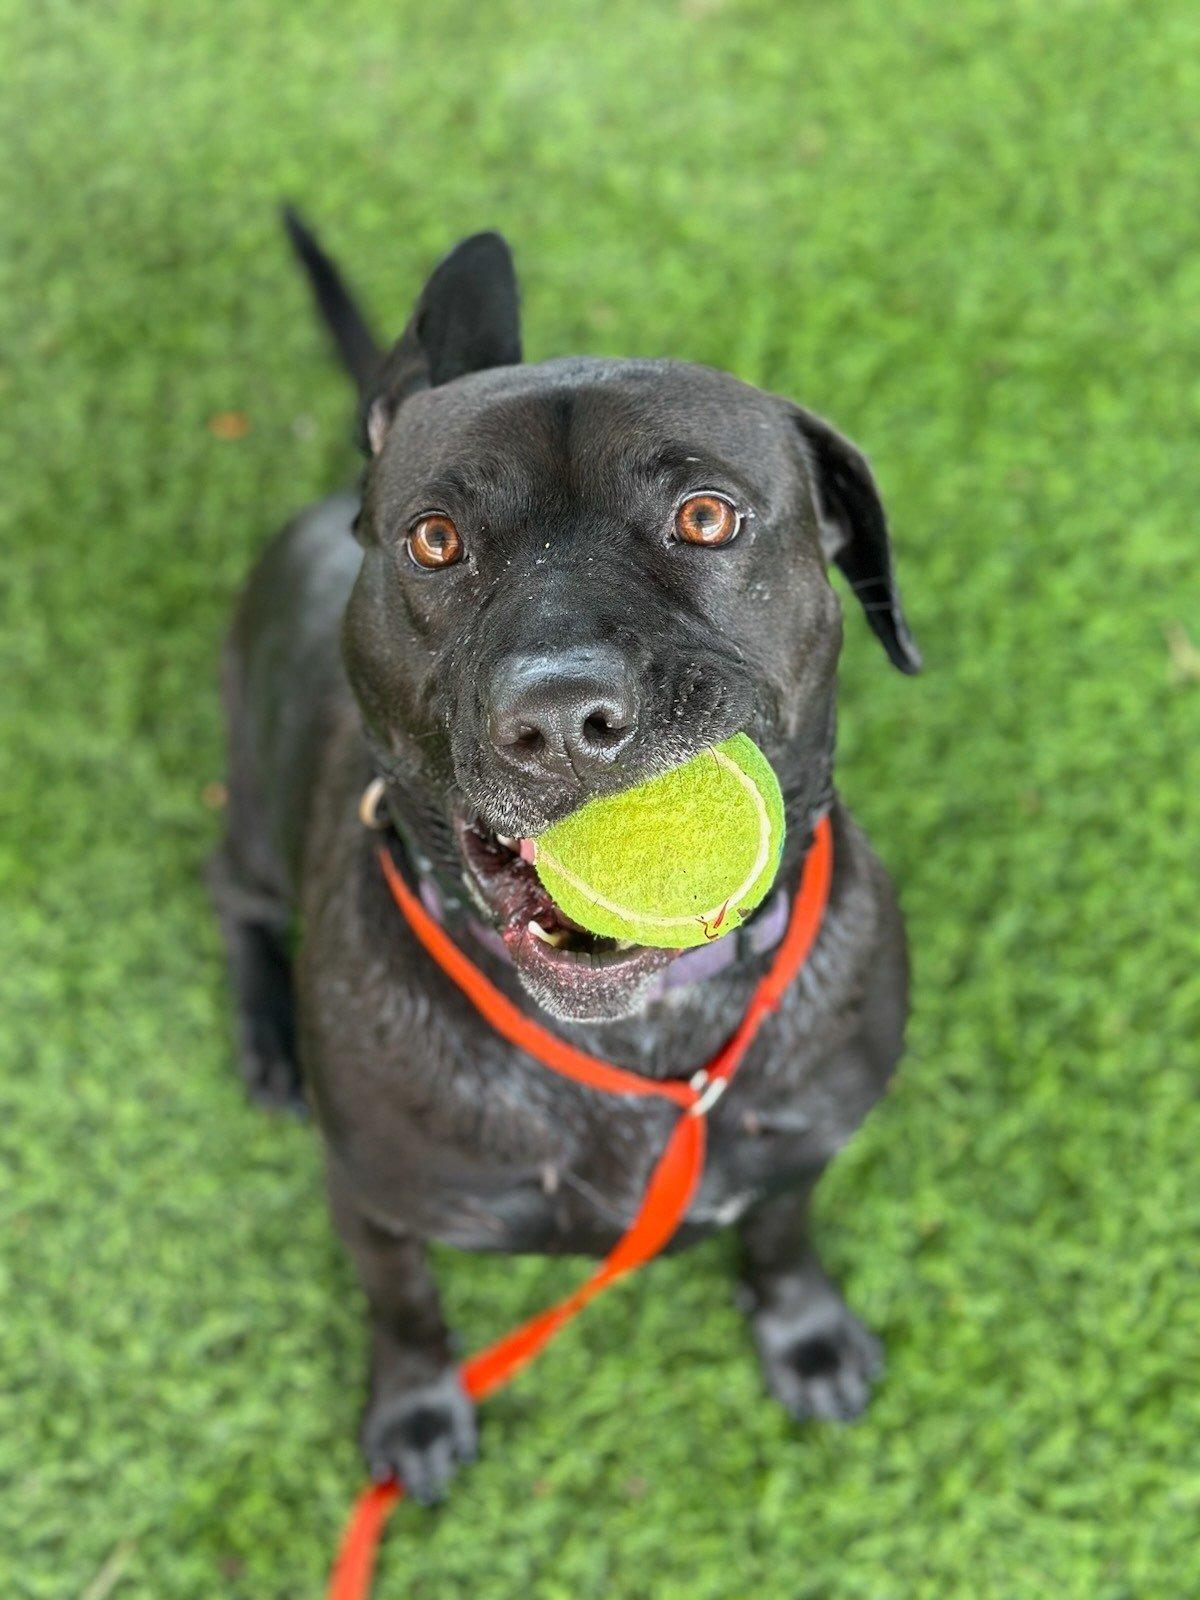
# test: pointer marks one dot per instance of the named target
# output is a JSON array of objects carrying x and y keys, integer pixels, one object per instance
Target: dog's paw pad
[
  {"x": 421, "y": 1436},
  {"x": 820, "y": 1363}
]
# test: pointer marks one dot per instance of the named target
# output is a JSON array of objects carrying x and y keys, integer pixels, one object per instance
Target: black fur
[
  {"x": 352, "y": 338},
  {"x": 576, "y": 649}
]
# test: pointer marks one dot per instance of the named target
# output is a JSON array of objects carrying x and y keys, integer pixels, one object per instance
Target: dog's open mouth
[{"x": 570, "y": 971}]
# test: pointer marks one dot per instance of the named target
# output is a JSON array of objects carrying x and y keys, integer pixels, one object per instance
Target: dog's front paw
[
  {"x": 420, "y": 1435},
  {"x": 818, "y": 1359}
]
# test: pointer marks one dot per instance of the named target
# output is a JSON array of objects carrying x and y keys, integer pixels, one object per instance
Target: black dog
[{"x": 567, "y": 577}]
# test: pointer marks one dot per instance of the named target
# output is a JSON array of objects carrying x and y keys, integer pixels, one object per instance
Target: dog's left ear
[
  {"x": 854, "y": 533},
  {"x": 466, "y": 319}
]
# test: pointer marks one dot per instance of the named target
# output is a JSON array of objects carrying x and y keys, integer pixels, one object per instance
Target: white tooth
[
  {"x": 509, "y": 844},
  {"x": 558, "y": 938}
]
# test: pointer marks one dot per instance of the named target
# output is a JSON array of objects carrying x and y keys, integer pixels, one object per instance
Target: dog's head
[{"x": 576, "y": 575}]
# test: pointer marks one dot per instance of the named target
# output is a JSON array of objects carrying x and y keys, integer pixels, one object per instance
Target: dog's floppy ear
[
  {"x": 466, "y": 319},
  {"x": 854, "y": 533}
]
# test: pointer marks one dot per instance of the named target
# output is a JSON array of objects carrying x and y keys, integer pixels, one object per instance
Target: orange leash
[{"x": 672, "y": 1184}]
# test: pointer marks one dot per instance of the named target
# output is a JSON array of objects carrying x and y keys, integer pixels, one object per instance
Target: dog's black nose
[{"x": 562, "y": 710}]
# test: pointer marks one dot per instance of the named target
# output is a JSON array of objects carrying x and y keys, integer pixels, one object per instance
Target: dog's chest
[
  {"x": 443, "y": 1130},
  {"x": 508, "y": 1157}
]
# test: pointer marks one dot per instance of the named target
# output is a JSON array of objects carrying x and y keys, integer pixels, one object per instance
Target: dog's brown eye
[
  {"x": 434, "y": 542},
  {"x": 707, "y": 519}
]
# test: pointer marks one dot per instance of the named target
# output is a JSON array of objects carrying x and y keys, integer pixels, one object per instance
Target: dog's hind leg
[
  {"x": 250, "y": 891},
  {"x": 817, "y": 1357},
  {"x": 256, "y": 929}
]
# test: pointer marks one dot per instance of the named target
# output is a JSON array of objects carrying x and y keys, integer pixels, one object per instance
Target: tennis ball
[{"x": 678, "y": 861}]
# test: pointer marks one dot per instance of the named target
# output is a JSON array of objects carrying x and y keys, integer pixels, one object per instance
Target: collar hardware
[
  {"x": 371, "y": 810},
  {"x": 708, "y": 1090}
]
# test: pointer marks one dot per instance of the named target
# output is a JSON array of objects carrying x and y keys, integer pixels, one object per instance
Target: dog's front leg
[
  {"x": 419, "y": 1425},
  {"x": 817, "y": 1357}
]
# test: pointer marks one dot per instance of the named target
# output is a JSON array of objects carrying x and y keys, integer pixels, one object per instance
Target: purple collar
[{"x": 761, "y": 933}]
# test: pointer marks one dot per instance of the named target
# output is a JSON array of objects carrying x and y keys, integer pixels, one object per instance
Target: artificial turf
[{"x": 969, "y": 234}]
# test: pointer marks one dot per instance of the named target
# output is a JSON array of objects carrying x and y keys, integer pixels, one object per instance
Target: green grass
[{"x": 968, "y": 233}]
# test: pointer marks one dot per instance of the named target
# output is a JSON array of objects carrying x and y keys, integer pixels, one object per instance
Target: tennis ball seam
[{"x": 682, "y": 918}]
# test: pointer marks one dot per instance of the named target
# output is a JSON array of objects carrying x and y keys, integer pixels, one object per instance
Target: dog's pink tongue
[{"x": 527, "y": 850}]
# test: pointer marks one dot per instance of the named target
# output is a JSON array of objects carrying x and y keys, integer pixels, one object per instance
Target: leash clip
[{"x": 709, "y": 1090}]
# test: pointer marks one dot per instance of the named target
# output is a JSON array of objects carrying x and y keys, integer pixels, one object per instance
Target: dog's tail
[{"x": 355, "y": 343}]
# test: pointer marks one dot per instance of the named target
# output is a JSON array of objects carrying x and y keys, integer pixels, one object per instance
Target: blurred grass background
[{"x": 969, "y": 234}]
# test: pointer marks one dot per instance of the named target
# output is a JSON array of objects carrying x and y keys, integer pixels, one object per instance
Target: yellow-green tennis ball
[{"x": 678, "y": 861}]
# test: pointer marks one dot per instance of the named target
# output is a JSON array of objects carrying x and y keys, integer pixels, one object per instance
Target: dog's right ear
[{"x": 467, "y": 318}]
